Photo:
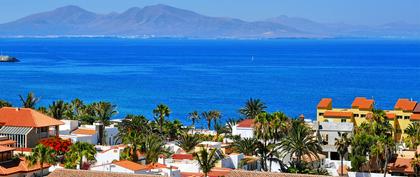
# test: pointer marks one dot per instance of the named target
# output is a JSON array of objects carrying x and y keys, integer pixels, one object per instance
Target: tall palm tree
[
  {"x": 342, "y": 145},
  {"x": 413, "y": 132},
  {"x": 188, "y": 141},
  {"x": 264, "y": 133},
  {"x": 207, "y": 159},
  {"x": 103, "y": 113},
  {"x": 153, "y": 146},
  {"x": 4, "y": 103},
  {"x": 57, "y": 109},
  {"x": 160, "y": 112},
  {"x": 300, "y": 141},
  {"x": 215, "y": 115},
  {"x": 208, "y": 117},
  {"x": 245, "y": 146},
  {"x": 133, "y": 140},
  {"x": 79, "y": 151},
  {"x": 252, "y": 108},
  {"x": 194, "y": 116},
  {"x": 41, "y": 154},
  {"x": 30, "y": 100}
]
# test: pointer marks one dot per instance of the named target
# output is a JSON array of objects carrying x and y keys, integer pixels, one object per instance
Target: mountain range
[{"x": 166, "y": 21}]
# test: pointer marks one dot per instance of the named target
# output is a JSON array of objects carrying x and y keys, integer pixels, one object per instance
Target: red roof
[
  {"x": 338, "y": 114},
  {"x": 182, "y": 156},
  {"x": 247, "y": 123},
  {"x": 390, "y": 115},
  {"x": 401, "y": 165},
  {"x": 405, "y": 104},
  {"x": 81, "y": 131},
  {"x": 325, "y": 103},
  {"x": 215, "y": 172},
  {"x": 130, "y": 165},
  {"x": 415, "y": 117},
  {"x": 362, "y": 103},
  {"x": 25, "y": 117},
  {"x": 17, "y": 166}
]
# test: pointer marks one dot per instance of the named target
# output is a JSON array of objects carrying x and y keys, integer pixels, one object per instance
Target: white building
[
  {"x": 244, "y": 128},
  {"x": 125, "y": 166},
  {"x": 87, "y": 133},
  {"x": 108, "y": 154}
]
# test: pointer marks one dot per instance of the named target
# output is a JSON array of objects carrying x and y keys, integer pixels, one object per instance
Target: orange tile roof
[
  {"x": 415, "y": 117},
  {"x": 405, "y": 104},
  {"x": 338, "y": 114},
  {"x": 325, "y": 103},
  {"x": 182, "y": 156},
  {"x": 5, "y": 149},
  {"x": 246, "y": 123},
  {"x": 81, "y": 131},
  {"x": 130, "y": 165},
  {"x": 401, "y": 165},
  {"x": 215, "y": 172},
  {"x": 18, "y": 166},
  {"x": 244, "y": 173},
  {"x": 7, "y": 142},
  {"x": 88, "y": 173},
  {"x": 390, "y": 115},
  {"x": 362, "y": 103},
  {"x": 25, "y": 117},
  {"x": 158, "y": 166}
]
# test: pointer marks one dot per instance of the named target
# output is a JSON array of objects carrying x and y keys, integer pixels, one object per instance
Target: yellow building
[{"x": 405, "y": 112}]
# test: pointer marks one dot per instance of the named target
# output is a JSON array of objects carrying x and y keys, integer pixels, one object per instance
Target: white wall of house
[
  {"x": 69, "y": 126},
  {"x": 111, "y": 133},
  {"x": 232, "y": 161},
  {"x": 92, "y": 139},
  {"x": 107, "y": 156},
  {"x": 244, "y": 132},
  {"x": 113, "y": 168}
]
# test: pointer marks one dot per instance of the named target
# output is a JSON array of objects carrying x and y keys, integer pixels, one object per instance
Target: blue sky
[{"x": 346, "y": 11}]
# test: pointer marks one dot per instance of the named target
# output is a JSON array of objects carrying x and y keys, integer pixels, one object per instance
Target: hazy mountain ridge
[{"x": 163, "y": 20}]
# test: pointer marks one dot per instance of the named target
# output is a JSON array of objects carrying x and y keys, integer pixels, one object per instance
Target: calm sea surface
[{"x": 288, "y": 75}]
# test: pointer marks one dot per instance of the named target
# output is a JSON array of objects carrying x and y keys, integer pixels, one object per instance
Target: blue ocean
[{"x": 289, "y": 75}]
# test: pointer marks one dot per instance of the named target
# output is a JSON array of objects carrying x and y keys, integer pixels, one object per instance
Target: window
[
  {"x": 399, "y": 117},
  {"x": 362, "y": 115},
  {"x": 356, "y": 115},
  {"x": 321, "y": 114},
  {"x": 343, "y": 120},
  {"x": 406, "y": 117}
]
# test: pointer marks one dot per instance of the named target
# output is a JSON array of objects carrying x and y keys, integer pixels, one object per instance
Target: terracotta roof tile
[
  {"x": 81, "y": 131},
  {"x": 415, "y": 117},
  {"x": 405, "y": 104},
  {"x": 325, "y": 103},
  {"x": 86, "y": 173},
  {"x": 390, "y": 115},
  {"x": 182, "y": 156},
  {"x": 130, "y": 165},
  {"x": 243, "y": 173},
  {"x": 5, "y": 149},
  {"x": 7, "y": 142},
  {"x": 417, "y": 109},
  {"x": 25, "y": 117},
  {"x": 18, "y": 166},
  {"x": 362, "y": 103},
  {"x": 246, "y": 123},
  {"x": 401, "y": 165},
  {"x": 338, "y": 114}
]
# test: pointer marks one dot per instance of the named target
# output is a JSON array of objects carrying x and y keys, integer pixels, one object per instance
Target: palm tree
[
  {"x": 103, "y": 112},
  {"x": 207, "y": 159},
  {"x": 215, "y": 115},
  {"x": 413, "y": 132},
  {"x": 4, "y": 103},
  {"x": 208, "y": 117},
  {"x": 194, "y": 116},
  {"x": 57, "y": 109},
  {"x": 245, "y": 146},
  {"x": 263, "y": 132},
  {"x": 160, "y": 112},
  {"x": 299, "y": 142},
  {"x": 188, "y": 141},
  {"x": 342, "y": 145},
  {"x": 153, "y": 146},
  {"x": 133, "y": 140},
  {"x": 30, "y": 100},
  {"x": 252, "y": 108},
  {"x": 43, "y": 155},
  {"x": 78, "y": 151}
]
